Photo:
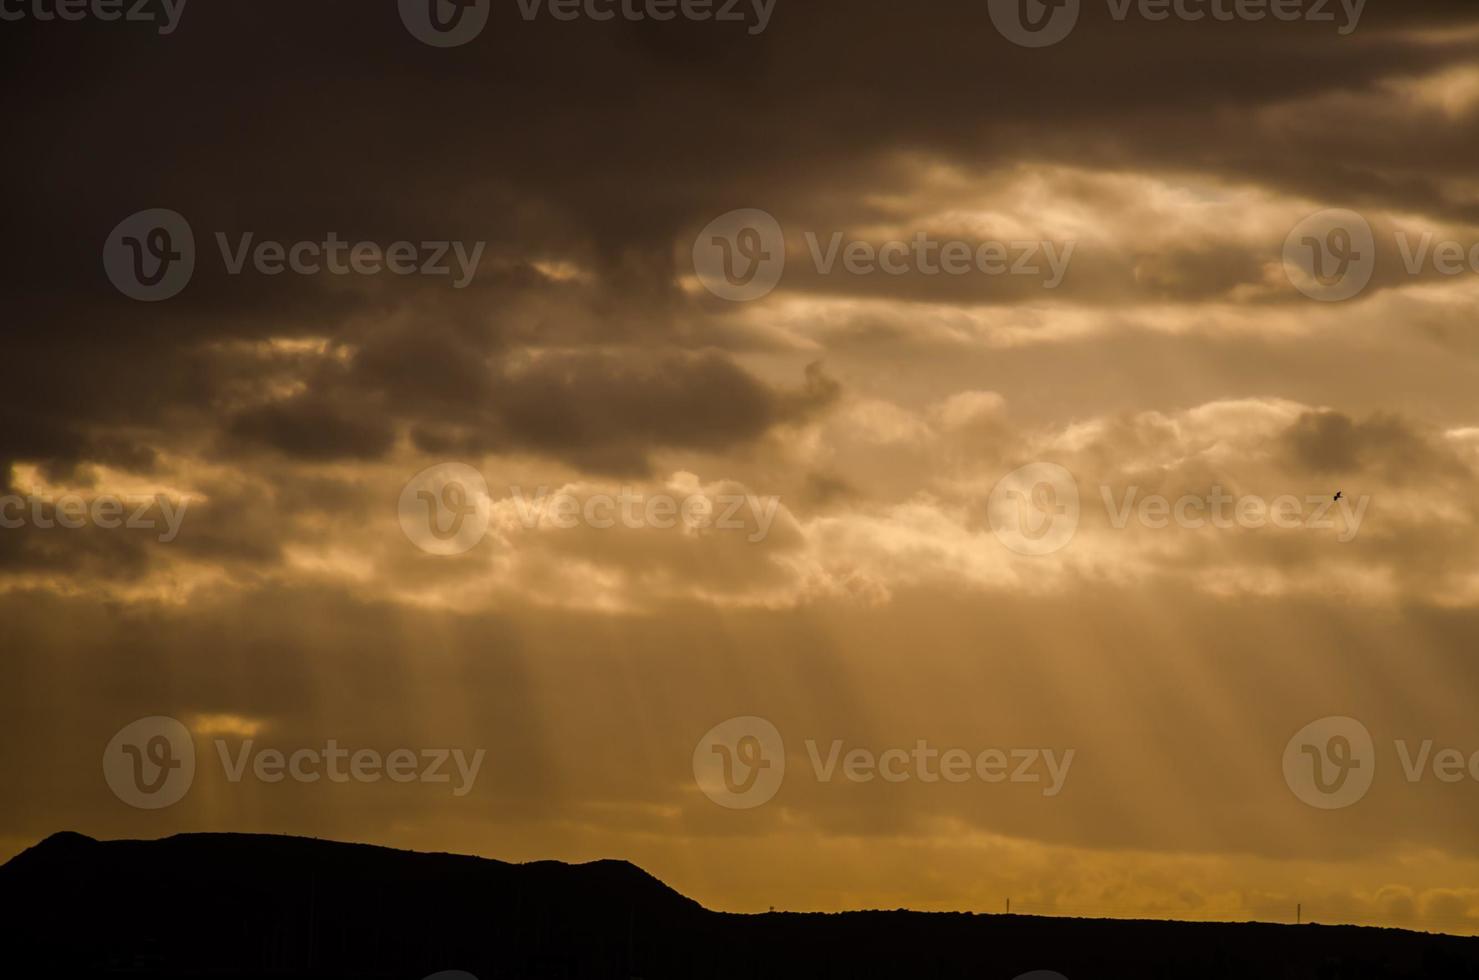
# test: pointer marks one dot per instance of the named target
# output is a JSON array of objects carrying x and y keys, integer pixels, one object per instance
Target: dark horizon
[
  {"x": 1298, "y": 915},
  {"x": 321, "y": 908}
]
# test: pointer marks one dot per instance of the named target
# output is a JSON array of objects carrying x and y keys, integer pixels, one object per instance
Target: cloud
[{"x": 878, "y": 412}]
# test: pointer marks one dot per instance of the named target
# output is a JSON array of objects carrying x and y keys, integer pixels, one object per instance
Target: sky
[{"x": 833, "y": 454}]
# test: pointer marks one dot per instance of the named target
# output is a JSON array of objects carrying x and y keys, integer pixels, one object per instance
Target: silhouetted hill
[{"x": 238, "y": 905}]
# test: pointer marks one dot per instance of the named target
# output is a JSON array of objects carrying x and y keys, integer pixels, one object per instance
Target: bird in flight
[{"x": 1338, "y": 495}]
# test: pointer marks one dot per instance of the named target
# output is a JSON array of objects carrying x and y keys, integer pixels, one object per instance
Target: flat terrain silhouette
[{"x": 239, "y": 905}]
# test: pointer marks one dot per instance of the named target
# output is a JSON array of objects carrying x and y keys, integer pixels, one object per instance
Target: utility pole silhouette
[{"x": 1299, "y": 914}]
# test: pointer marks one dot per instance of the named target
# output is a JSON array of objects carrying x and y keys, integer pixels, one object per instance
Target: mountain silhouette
[{"x": 247, "y": 905}]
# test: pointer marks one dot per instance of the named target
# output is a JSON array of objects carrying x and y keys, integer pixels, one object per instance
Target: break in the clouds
[{"x": 262, "y": 429}]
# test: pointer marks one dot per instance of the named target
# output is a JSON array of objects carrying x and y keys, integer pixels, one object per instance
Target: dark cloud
[
  {"x": 606, "y": 412},
  {"x": 308, "y": 427},
  {"x": 1333, "y": 444},
  {"x": 601, "y": 142}
]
